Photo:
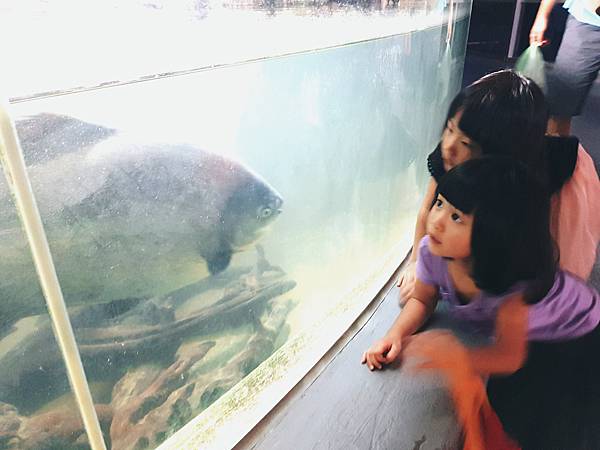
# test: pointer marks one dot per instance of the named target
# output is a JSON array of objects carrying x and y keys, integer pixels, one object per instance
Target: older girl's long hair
[{"x": 506, "y": 114}]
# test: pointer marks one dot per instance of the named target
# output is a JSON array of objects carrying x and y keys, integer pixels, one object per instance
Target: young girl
[
  {"x": 504, "y": 113},
  {"x": 489, "y": 254}
]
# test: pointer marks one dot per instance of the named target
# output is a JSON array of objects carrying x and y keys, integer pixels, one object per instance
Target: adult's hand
[{"x": 538, "y": 31}]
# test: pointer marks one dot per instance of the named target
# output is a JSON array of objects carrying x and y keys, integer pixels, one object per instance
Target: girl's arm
[
  {"x": 509, "y": 351},
  {"x": 420, "y": 230},
  {"x": 406, "y": 283},
  {"x": 416, "y": 311},
  {"x": 414, "y": 314}
]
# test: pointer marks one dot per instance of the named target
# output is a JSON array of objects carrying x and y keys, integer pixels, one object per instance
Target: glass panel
[
  {"x": 34, "y": 390},
  {"x": 204, "y": 224}
]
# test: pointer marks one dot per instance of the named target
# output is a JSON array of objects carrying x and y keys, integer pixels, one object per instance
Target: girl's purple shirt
[{"x": 570, "y": 309}]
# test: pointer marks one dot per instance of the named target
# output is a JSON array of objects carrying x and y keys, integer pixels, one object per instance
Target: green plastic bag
[{"x": 531, "y": 64}]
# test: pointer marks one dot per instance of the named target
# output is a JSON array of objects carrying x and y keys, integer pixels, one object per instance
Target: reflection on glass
[
  {"x": 34, "y": 391},
  {"x": 198, "y": 223},
  {"x": 101, "y": 42}
]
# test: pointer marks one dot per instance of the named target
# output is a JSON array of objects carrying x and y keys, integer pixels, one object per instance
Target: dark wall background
[
  {"x": 487, "y": 51},
  {"x": 491, "y": 24}
]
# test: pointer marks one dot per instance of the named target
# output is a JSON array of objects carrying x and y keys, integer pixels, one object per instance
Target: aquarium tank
[{"x": 224, "y": 186}]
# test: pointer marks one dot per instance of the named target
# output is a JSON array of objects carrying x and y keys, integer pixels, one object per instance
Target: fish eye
[
  {"x": 439, "y": 203},
  {"x": 266, "y": 212}
]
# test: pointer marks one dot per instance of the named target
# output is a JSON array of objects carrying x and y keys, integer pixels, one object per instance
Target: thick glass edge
[{"x": 418, "y": 22}]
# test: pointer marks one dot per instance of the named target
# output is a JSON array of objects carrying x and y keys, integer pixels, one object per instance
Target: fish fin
[{"x": 219, "y": 260}]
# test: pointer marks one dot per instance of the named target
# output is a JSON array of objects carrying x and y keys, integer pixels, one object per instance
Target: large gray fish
[{"x": 126, "y": 219}]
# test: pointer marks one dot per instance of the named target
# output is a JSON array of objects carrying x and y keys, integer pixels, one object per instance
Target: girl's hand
[
  {"x": 406, "y": 283},
  {"x": 384, "y": 351}
]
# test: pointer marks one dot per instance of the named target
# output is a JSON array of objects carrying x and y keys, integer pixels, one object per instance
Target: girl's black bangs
[
  {"x": 481, "y": 119},
  {"x": 458, "y": 191}
]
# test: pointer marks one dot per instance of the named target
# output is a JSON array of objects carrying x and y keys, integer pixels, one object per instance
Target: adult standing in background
[{"x": 570, "y": 78}]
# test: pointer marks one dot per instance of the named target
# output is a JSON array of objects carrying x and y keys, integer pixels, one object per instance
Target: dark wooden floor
[{"x": 347, "y": 407}]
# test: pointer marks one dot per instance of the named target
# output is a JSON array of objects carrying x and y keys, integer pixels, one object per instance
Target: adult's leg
[
  {"x": 559, "y": 126},
  {"x": 570, "y": 78}
]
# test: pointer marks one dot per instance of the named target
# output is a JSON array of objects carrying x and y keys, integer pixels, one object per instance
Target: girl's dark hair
[
  {"x": 506, "y": 114},
  {"x": 510, "y": 239}
]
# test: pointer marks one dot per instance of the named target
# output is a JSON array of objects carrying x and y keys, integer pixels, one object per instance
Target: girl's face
[
  {"x": 449, "y": 230},
  {"x": 457, "y": 147}
]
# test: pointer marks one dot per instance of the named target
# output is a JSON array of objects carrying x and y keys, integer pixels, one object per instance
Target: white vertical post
[
  {"x": 14, "y": 168},
  {"x": 451, "y": 19},
  {"x": 516, "y": 28}
]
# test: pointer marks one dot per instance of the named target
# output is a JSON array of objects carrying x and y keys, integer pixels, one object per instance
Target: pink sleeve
[{"x": 575, "y": 218}]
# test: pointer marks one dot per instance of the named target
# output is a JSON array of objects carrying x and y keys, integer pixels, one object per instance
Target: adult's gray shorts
[{"x": 570, "y": 78}]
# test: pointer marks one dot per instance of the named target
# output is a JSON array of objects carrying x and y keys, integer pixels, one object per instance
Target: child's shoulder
[
  {"x": 566, "y": 283},
  {"x": 570, "y": 309},
  {"x": 430, "y": 268},
  {"x": 424, "y": 247},
  {"x": 435, "y": 163},
  {"x": 576, "y": 220},
  {"x": 571, "y": 292}
]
